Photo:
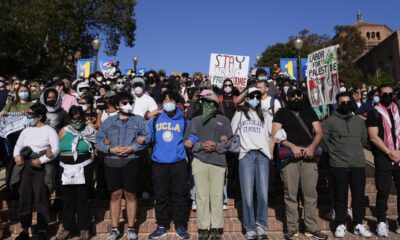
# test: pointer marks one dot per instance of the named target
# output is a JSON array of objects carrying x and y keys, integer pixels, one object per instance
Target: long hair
[
  {"x": 18, "y": 99},
  {"x": 245, "y": 108}
]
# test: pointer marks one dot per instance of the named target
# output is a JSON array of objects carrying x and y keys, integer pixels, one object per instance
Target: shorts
[{"x": 122, "y": 177}]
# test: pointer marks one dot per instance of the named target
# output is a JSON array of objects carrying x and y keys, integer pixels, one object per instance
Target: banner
[
  {"x": 141, "y": 71},
  {"x": 323, "y": 76},
  {"x": 224, "y": 66},
  {"x": 106, "y": 67},
  {"x": 14, "y": 122},
  {"x": 289, "y": 65},
  {"x": 84, "y": 67}
]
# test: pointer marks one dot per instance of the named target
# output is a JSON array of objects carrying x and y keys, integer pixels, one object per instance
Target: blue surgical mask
[
  {"x": 120, "y": 85},
  {"x": 376, "y": 99},
  {"x": 169, "y": 107},
  {"x": 30, "y": 121},
  {"x": 263, "y": 78},
  {"x": 23, "y": 95},
  {"x": 254, "y": 102}
]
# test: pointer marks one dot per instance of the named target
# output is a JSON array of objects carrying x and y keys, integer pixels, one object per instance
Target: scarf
[
  {"x": 387, "y": 125},
  {"x": 209, "y": 111},
  {"x": 58, "y": 101},
  {"x": 88, "y": 135}
]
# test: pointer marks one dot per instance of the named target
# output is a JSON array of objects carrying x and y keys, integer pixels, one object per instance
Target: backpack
[{"x": 272, "y": 105}]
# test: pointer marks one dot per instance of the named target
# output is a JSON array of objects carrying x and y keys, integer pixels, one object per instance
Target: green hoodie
[{"x": 344, "y": 138}]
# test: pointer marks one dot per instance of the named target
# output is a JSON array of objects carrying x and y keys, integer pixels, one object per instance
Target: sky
[{"x": 180, "y": 35}]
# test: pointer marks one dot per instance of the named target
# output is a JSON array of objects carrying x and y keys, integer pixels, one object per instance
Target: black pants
[
  {"x": 384, "y": 173},
  {"x": 33, "y": 188},
  {"x": 343, "y": 177},
  {"x": 170, "y": 183},
  {"x": 76, "y": 213}
]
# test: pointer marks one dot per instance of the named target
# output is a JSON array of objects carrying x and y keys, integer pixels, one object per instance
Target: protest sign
[
  {"x": 11, "y": 123},
  {"x": 323, "y": 76},
  {"x": 84, "y": 67},
  {"x": 224, "y": 66},
  {"x": 107, "y": 68},
  {"x": 141, "y": 71}
]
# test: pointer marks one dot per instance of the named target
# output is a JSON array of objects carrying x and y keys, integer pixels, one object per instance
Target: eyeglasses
[{"x": 254, "y": 96}]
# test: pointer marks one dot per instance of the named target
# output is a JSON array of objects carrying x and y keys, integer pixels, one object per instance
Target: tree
[
  {"x": 43, "y": 38},
  {"x": 351, "y": 48},
  {"x": 312, "y": 42}
]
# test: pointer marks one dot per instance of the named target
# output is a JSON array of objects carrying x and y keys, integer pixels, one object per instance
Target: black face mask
[
  {"x": 152, "y": 80},
  {"x": 51, "y": 103},
  {"x": 295, "y": 105},
  {"x": 386, "y": 99},
  {"x": 344, "y": 108}
]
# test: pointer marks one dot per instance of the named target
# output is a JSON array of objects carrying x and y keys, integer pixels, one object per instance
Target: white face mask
[
  {"x": 99, "y": 79},
  {"x": 128, "y": 109},
  {"x": 108, "y": 82},
  {"x": 84, "y": 107},
  {"x": 138, "y": 90}
]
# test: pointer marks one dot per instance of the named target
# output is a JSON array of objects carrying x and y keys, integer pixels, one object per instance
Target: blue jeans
[{"x": 254, "y": 167}]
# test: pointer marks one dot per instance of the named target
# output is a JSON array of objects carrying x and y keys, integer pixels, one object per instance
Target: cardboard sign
[{"x": 234, "y": 67}]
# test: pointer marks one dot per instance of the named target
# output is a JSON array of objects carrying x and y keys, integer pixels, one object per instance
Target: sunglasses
[
  {"x": 295, "y": 94},
  {"x": 254, "y": 96},
  {"x": 17, "y": 83},
  {"x": 345, "y": 102},
  {"x": 228, "y": 85},
  {"x": 125, "y": 102},
  {"x": 120, "y": 82}
]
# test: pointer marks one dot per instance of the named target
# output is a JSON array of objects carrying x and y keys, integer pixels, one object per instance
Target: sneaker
[
  {"x": 23, "y": 236},
  {"x": 291, "y": 235},
  {"x": 349, "y": 213},
  {"x": 251, "y": 235},
  {"x": 131, "y": 234},
  {"x": 85, "y": 235},
  {"x": 63, "y": 235},
  {"x": 340, "y": 231},
  {"x": 316, "y": 235},
  {"x": 42, "y": 235},
  {"x": 194, "y": 207},
  {"x": 158, "y": 233},
  {"x": 113, "y": 235},
  {"x": 398, "y": 229},
  {"x": 261, "y": 232},
  {"x": 216, "y": 233},
  {"x": 362, "y": 231},
  {"x": 382, "y": 230},
  {"x": 225, "y": 207},
  {"x": 182, "y": 233},
  {"x": 203, "y": 234}
]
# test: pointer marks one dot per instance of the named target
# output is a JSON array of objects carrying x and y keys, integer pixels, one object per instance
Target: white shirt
[
  {"x": 267, "y": 112},
  {"x": 253, "y": 133},
  {"x": 38, "y": 139},
  {"x": 144, "y": 104}
]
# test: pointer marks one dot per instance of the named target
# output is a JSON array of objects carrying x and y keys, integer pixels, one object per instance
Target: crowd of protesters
[{"x": 178, "y": 138}]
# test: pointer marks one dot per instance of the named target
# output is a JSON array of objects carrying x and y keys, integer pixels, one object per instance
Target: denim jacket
[{"x": 123, "y": 133}]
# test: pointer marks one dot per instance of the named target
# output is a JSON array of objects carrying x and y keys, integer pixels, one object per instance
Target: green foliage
[
  {"x": 380, "y": 79},
  {"x": 312, "y": 42},
  {"x": 43, "y": 38}
]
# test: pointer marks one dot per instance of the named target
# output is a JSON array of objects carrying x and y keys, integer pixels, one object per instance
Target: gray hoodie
[{"x": 213, "y": 130}]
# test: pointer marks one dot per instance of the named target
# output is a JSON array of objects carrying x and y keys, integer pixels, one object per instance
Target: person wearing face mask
[
  {"x": 249, "y": 123},
  {"x": 22, "y": 101},
  {"x": 145, "y": 106},
  {"x": 120, "y": 85},
  {"x": 122, "y": 160},
  {"x": 344, "y": 137},
  {"x": 76, "y": 156},
  {"x": 153, "y": 86},
  {"x": 299, "y": 167},
  {"x": 86, "y": 102},
  {"x": 228, "y": 99},
  {"x": 383, "y": 124},
  {"x": 170, "y": 174},
  {"x": 57, "y": 117},
  {"x": 208, "y": 165},
  {"x": 372, "y": 101},
  {"x": 31, "y": 152}
]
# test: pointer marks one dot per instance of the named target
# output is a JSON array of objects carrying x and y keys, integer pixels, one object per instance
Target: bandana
[
  {"x": 209, "y": 111},
  {"x": 58, "y": 101},
  {"x": 88, "y": 135}
]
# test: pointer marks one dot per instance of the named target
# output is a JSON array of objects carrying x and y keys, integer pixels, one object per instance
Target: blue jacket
[
  {"x": 123, "y": 133},
  {"x": 168, "y": 136}
]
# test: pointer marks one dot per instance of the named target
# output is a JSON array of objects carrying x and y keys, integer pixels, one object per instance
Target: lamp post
[
  {"x": 135, "y": 61},
  {"x": 257, "y": 60},
  {"x": 96, "y": 43},
  {"x": 298, "y": 44}
]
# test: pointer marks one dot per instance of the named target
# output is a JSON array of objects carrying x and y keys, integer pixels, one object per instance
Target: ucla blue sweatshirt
[{"x": 168, "y": 134}]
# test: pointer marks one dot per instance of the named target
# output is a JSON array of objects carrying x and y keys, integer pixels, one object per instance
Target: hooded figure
[{"x": 57, "y": 117}]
